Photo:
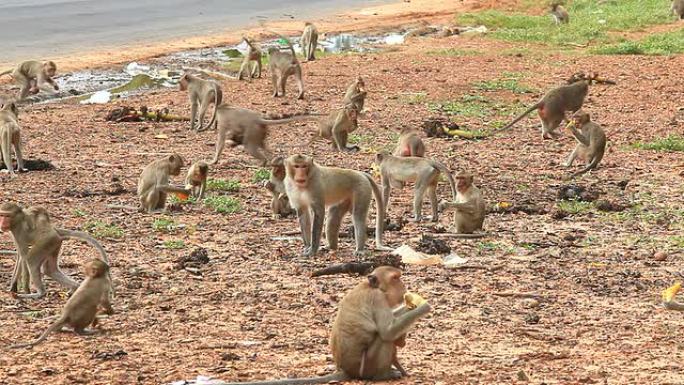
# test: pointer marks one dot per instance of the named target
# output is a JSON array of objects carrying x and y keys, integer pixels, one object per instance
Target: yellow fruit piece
[
  {"x": 671, "y": 292},
  {"x": 504, "y": 205},
  {"x": 413, "y": 300}
]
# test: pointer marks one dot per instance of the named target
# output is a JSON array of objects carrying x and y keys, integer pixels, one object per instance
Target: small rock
[
  {"x": 522, "y": 376},
  {"x": 530, "y": 303},
  {"x": 660, "y": 256}
]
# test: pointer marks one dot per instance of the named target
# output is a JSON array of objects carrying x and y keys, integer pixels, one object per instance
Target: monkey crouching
[{"x": 469, "y": 207}]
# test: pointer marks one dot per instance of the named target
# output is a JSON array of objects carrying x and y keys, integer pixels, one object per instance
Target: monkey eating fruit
[
  {"x": 591, "y": 141},
  {"x": 153, "y": 184}
]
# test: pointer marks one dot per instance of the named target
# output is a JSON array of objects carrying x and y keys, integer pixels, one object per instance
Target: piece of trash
[
  {"x": 474, "y": 30},
  {"x": 394, "y": 38},
  {"x": 452, "y": 261},
  {"x": 134, "y": 68},
  {"x": 410, "y": 256},
  {"x": 671, "y": 292},
  {"x": 161, "y": 136},
  {"x": 100, "y": 97}
]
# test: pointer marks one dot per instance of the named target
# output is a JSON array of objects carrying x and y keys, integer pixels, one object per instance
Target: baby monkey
[
  {"x": 280, "y": 204},
  {"x": 196, "y": 180},
  {"x": 591, "y": 141},
  {"x": 560, "y": 14}
]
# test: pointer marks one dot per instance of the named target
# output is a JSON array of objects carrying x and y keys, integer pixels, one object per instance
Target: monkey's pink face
[
  {"x": 301, "y": 175},
  {"x": 462, "y": 184},
  {"x": 5, "y": 222}
]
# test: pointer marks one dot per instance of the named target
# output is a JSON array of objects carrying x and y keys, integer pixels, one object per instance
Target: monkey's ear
[{"x": 373, "y": 281}]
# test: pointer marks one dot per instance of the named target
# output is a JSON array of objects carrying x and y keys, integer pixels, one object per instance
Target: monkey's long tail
[
  {"x": 380, "y": 216},
  {"x": 53, "y": 327},
  {"x": 93, "y": 242},
  {"x": 592, "y": 165},
  {"x": 452, "y": 182},
  {"x": 336, "y": 377},
  {"x": 217, "y": 101},
  {"x": 272, "y": 122},
  {"x": 519, "y": 118}
]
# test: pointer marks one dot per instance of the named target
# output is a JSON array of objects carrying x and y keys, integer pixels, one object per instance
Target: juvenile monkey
[
  {"x": 469, "y": 207},
  {"x": 371, "y": 322},
  {"x": 246, "y": 127},
  {"x": 38, "y": 245},
  {"x": 282, "y": 65},
  {"x": 201, "y": 93},
  {"x": 280, "y": 205},
  {"x": 254, "y": 54},
  {"x": 312, "y": 188},
  {"x": 33, "y": 75},
  {"x": 196, "y": 180},
  {"x": 337, "y": 126},
  {"x": 395, "y": 171},
  {"x": 591, "y": 142},
  {"x": 153, "y": 184},
  {"x": 309, "y": 41},
  {"x": 356, "y": 94},
  {"x": 555, "y": 103},
  {"x": 82, "y": 307},
  {"x": 409, "y": 144},
  {"x": 560, "y": 14},
  {"x": 10, "y": 137}
]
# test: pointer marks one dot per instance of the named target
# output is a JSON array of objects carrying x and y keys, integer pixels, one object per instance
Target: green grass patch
[
  {"x": 667, "y": 43},
  {"x": 575, "y": 207},
  {"x": 673, "y": 143},
  {"x": 487, "y": 246},
  {"x": 230, "y": 185},
  {"x": 413, "y": 98},
  {"x": 510, "y": 82},
  {"x": 174, "y": 244},
  {"x": 590, "y": 22},
  {"x": 455, "y": 52},
  {"x": 261, "y": 175},
  {"x": 359, "y": 139},
  {"x": 164, "y": 225},
  {"x": 477, "y": 106},
  {"x": 80, "y": 213},
  {"x": 100, "y": 229},
  {"x": 223, "y": 204}
]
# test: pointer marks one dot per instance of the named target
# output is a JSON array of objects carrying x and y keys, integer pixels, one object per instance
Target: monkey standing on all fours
[{"x": 33, "y": 75}]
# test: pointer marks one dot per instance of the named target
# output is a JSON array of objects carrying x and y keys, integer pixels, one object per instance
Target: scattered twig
[
  {"x": 345, "y": 268},
  {"x": 8, "y": 252},
  {"x": 515, "y": 294},
  {"x": 673, "y": 305}
]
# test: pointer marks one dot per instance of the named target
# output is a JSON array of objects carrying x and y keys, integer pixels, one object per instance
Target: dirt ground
[{"x": 252, "y": 312}]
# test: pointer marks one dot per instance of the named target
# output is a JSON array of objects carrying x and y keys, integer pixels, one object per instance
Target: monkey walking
[
  {"x": 282, "y": 65},
  {"x": 591, "y": 142},
  {"x": 33, "y": 75},
  {"x": 201, "y": 93},
  {"x": 409, "y": 144},
  {"x": 309, "y": 41},
  {"x": 254, "y": 54}
]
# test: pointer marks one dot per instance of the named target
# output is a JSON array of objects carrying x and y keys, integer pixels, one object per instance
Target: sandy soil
[{"x": 252, "y": 312}]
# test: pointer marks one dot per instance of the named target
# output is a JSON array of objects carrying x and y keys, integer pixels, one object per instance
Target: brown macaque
[
  {"x": 153, "y": 184},
  {"x": 10, "y": 137},
  {"x": 555, "y": 103},
  {"x": 38, "y": 245},
  {"x": 469, "y": 207},
  {"x": 560, "y": 14},
  {"x": 312, "y": 188},
  {"x": 241, "y": 126},
  {"x": 254, "y": 54},
  {"x": 395, "y": 171},
  {"x": 409, "y": 144},
  {"x": 337, "y": 126},
  {"x": 309, "y": 41},
  {"x": 280, "y": 204},
  {"x": 282, "y": 65},
  {"x": 591, "y": 142},
  {"x": 356, "y": 94},
  {"x": 371, "y": 322},
  {"x": 202, "y": 93},
  {"x": 678, "y": 9},
  {"x": 33, "y": 75},
  {"x": 196, "y": 180},
  {"x": 82, "y": 307}
]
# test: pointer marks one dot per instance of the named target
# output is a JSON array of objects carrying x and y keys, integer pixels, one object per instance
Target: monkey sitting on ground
[
  {"x": 254, "y": 54},
  {"x": 560, "y": 14},
  {"x": 312, "y": 188},
  {"x": 309, "y": 41},
  {"x": 10, "y": 137},
  {"x": 82, "y": 307},
  {"x": 591, "y": 142},
  {"x": 280, "y": 204},
  {"x": 201, "y": 93},
  {"x": 555, "y": 103},
  {"x": 33, "y": 75},
  {"x": 409, "y": 144},
  {"x": 678, "y": 9},
  {"x": 469, "y": 207},
  {"x": 395, "y": 171},
  {"x": 282, "y": 65},
  {"x": 196, "y": 180},
  {"x": 153, "y": 184},
  {"x": 337, "y": 126},
  {"x": 356, "y": 94},
  {"x": 371, "y": 322}
]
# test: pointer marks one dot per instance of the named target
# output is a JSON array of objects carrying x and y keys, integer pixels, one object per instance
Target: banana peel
[
  {"x": 463, "y": 133},
  {"x": 669, "y": 293},
  {"x": 413, "y": 300}
]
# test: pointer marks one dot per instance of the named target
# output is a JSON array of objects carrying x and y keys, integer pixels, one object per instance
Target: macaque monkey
[
  {"x": 196, "y": 180},
  {"x": 312, "y": 188},
  {"x": 201, "y": 93},
  {"x": 560, "y": 14},
  {"x": 678, "y": 8},
  {"x": 356, "y": 94},
  {"x": 241, "y": 126},
  {"x": 309, "y": 41},
  {"x": 33, "y": 75},
  {"x": 469, "y": 207},
  {"x": 254, "y": 54},
  {"x": 38, "y": 245},
  {"x": 591, "y": 142},
  {"x": 282, "y": 65},
  {"x": 555, "y": 103},
  {"x": 371, "y": 322},
  {"x": 409, "y": 144},
  {"x": 82, "y": 307},
  {"x": 280, "y": 204},
  {"x": 395, "y": 171},
  {"x": 10, "y": 137},
  {"x": 337, "y": 126},
  {"x": 153, "y": 184}
]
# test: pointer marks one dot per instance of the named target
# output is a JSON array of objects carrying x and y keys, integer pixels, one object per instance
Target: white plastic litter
[{"x": 100, "y": 97}]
